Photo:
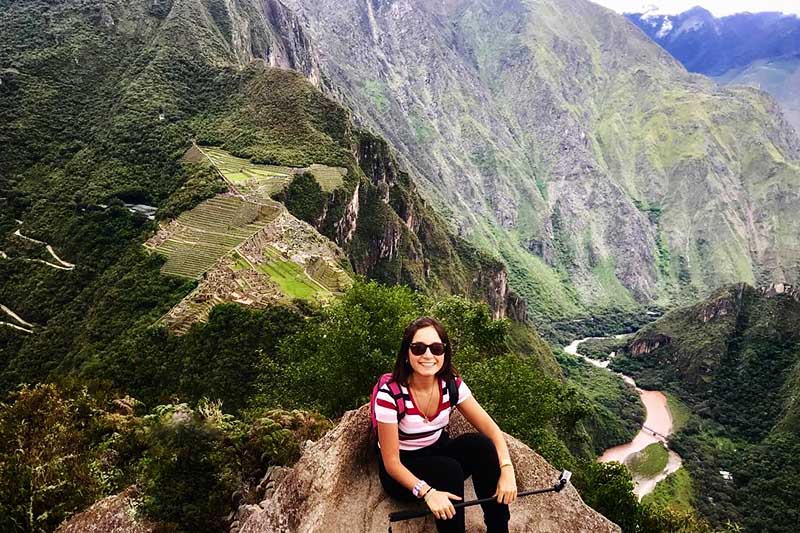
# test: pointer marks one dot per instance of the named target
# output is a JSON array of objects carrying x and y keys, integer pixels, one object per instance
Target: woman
[{"x": 417, "y": 457}]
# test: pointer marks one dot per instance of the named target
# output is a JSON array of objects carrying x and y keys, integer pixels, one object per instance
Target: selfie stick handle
[{"x": 407, "y": 515}]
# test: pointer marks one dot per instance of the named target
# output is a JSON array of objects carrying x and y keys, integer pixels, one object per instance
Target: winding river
[{"x": 656, "y": 428}]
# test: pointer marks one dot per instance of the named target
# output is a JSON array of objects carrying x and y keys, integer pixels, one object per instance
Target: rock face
[
  {"x": 555, "y": 134},
  {"x": 645, "y": 346},
  {"x": 334, "y": 488},
  {"x": 109, "y": 515}
]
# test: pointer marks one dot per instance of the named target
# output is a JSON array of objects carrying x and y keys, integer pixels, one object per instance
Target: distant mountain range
[{"x": 757, "y": 49}]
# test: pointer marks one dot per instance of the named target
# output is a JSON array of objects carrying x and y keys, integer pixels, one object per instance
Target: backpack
[{"x": 397, "y": 394}]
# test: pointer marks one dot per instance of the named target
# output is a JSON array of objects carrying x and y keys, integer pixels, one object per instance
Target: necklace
[{"x": 428, "y": 406}]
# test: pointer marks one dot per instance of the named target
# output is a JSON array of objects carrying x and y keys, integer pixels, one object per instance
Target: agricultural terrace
[
  {"x": 200, "y": 237},
  {"x": 262, "y": 181}
]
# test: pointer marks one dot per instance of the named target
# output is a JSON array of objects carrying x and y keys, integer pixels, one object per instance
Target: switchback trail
[
  {"x": 18, "y": 319},
  {"x": 64, "y": 265}
]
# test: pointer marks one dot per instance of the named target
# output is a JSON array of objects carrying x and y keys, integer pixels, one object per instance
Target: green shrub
[
  {"x": 189, "y": 471},
  {"x": 59, "y": 452},
  {"x": 304, "y": 198},
  {"x": 529, "y": 405},
  {"x": 332, "y": 363},
  {"x": 196, "y": 459}
]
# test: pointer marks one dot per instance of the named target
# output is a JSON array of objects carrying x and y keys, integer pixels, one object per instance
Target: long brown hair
[{"x": 402, "y": 368}]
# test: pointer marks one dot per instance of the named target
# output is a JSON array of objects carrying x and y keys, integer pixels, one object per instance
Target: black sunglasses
[{"x": 418, "y": 348}]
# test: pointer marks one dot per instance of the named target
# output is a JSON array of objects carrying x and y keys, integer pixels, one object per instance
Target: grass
[
  {"x": 613, "y": 294},
  {"x": 649, "y": 462},
  {"x": 291, "y": 279},
  {"x": 260, "y": 181},
  {"x": 675, "y": 492},
  {"x": 679, "y": 411},
  {"x": 541, "y": 286}
]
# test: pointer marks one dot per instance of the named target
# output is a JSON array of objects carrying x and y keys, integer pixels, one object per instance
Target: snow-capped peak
[{"x": 651, "y": 11}]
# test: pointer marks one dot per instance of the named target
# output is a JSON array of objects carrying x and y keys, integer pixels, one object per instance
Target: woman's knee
[
  {"x": 480, "y": 445},
  {"x": 446, "y": 474}
]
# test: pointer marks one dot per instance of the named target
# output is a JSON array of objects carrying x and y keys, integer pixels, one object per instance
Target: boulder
[
  {"x": 334, "y": 488},
  {"x": 115, "y": 514}
]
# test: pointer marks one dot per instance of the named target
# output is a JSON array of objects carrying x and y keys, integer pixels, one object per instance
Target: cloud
[{"x": 719, "y": 8}]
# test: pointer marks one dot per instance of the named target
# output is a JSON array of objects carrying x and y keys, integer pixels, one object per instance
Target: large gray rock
[
  {"x": 115, "y": 514},
  {"x": 335, "y": 488}
]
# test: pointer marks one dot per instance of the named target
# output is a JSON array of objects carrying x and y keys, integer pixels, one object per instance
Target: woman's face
[{"x": 426, "y": 364}]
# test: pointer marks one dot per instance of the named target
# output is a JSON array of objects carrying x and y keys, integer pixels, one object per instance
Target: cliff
[{"x": 558, "y": 136}]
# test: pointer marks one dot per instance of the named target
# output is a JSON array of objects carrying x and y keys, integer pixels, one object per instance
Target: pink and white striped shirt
[{"x": 413, "y": 431}]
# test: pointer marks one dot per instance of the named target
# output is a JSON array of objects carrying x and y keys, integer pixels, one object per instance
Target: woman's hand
[
  {"x": 439, "y": 504},
  {"x": 506, "y": 486}
]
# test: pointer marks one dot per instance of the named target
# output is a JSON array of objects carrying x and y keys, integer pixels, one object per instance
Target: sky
[{"x": 719, "y": 8}]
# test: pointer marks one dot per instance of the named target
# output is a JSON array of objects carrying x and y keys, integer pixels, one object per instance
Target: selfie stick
[{"x": 407, "y": 515}]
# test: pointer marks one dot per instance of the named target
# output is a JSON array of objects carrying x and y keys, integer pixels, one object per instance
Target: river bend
[{"x": 656, "y": 428}]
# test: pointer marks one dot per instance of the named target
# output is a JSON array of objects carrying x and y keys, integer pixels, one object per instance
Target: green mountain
[
  {"x": 779, "y": 76},
  {"x": 100, "y": 102},
  {"x": 734, "y": 358},
  {"x": 557, "y": 135},
  {"x": 163, "y": 159}
]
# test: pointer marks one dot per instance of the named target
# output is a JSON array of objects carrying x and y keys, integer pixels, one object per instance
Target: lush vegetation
[
  {"x": 188, "y": 455},
  {"x": 63, "y": 446},
  {"x": 616, "y": 413},
  {"x": 674, "y": 492},
  {"x": 649, "y": 461},
  {"x": 601, "y": 349},
  {"x": 564, "y": 332},
  {"x": 97, "y": 115},
  {"x": 733, "y": 362},
  {"x": 611, "y": 493}
]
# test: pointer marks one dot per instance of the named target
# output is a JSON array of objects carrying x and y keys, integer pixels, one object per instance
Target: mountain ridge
[
  {"x": 757, "y": 49},
  {"x": 444, "y": 84}
]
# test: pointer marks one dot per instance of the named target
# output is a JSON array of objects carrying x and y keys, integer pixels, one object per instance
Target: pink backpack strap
[{"x": 397, "y": 394}]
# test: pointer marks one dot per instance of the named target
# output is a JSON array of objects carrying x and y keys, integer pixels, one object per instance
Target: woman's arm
[{"x": 390, "y": 452}]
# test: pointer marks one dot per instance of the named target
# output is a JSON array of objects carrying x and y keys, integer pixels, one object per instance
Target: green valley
[
  {"x": 733, "y": 360},
  {"x": 217, "y": 218}
]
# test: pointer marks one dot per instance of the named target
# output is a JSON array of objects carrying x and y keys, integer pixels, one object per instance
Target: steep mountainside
[
  {"x": 100, "y": 102},
  {"x": 756, "y": 49},
  {"x": 558, "y": 135},
  {"x": 735, "y": 359}
]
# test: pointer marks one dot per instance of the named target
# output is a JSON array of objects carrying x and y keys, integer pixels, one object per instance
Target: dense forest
[{"x": 734, "y": 360}]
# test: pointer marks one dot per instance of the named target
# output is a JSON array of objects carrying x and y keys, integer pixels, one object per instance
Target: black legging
[{"x": 445, "y": 465}]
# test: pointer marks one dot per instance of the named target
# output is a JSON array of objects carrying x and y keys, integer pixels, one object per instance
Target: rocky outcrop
[
  {"x": 716, "y": 309},
  {"x": 346, "y": 226},
  {"x": 645, "y": 346},
  {"x": 496, "y": 290},
  {"x": 776, "y": 289},
  {"x": 334, "y": 488},
  {"x": 115, "y": 514}
]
